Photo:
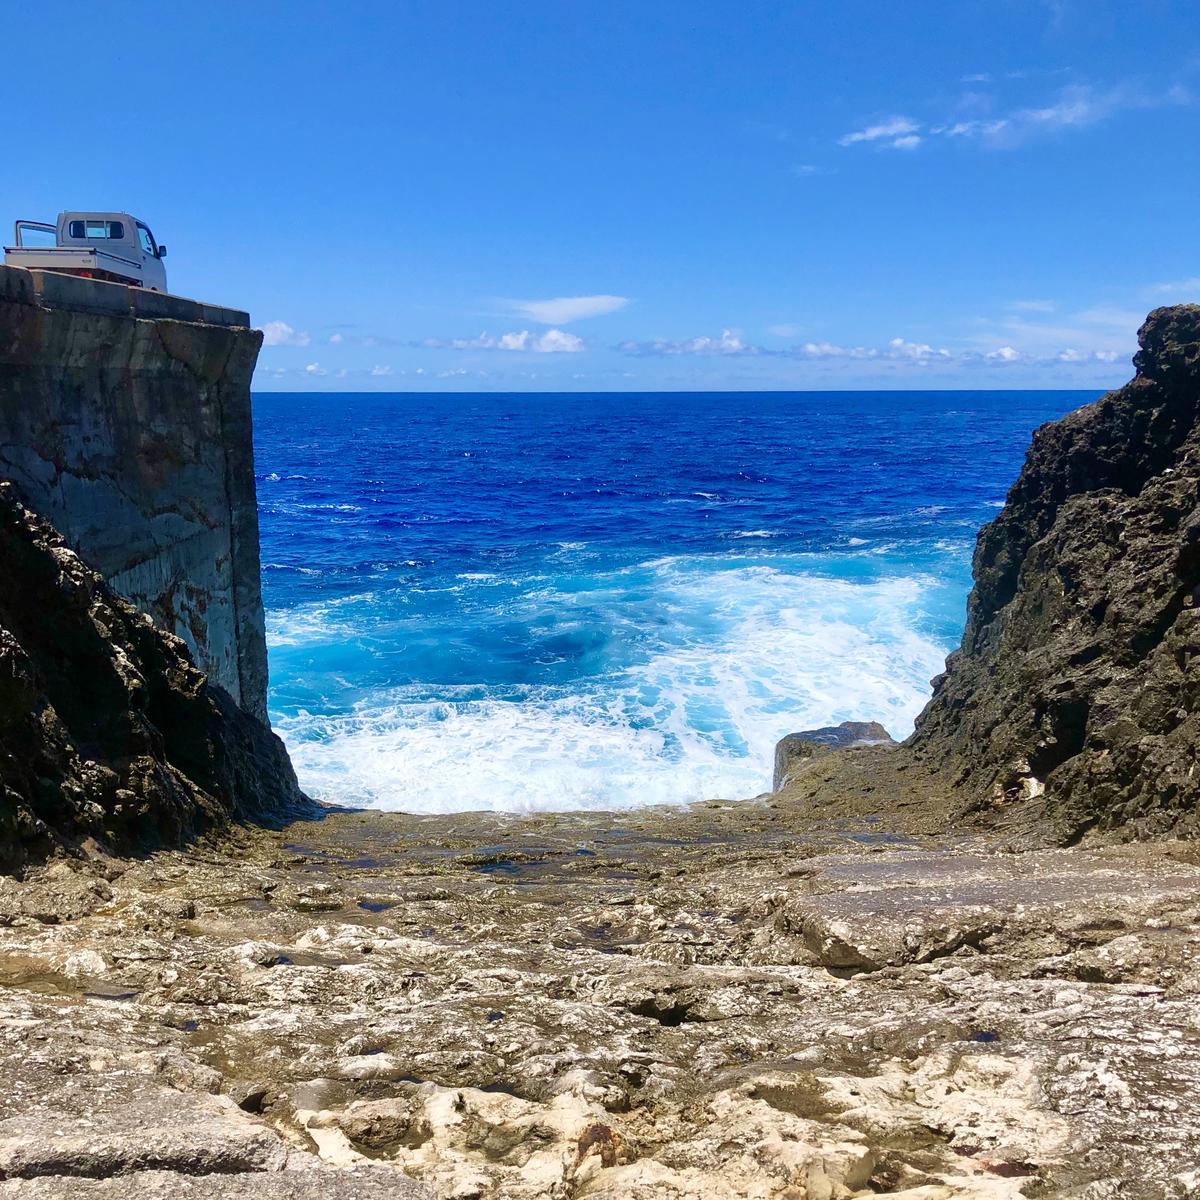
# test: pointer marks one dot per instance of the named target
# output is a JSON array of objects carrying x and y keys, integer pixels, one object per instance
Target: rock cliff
[
  {"x": 107, "y": 729},
  {"x": 1074, "y": 698},
  {"x": 125, "y": 421}
]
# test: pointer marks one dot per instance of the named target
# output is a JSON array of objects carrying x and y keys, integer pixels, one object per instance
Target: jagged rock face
[
  {"x": 1075, "y": 695},
  {"x": 107, "y": 730}
]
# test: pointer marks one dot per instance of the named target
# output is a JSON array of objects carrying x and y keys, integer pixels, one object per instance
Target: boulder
[{"x": 793, "y": 751}]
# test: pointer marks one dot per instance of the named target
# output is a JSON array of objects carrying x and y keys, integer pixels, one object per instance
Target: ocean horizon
[{"x": 554, "y": 601}]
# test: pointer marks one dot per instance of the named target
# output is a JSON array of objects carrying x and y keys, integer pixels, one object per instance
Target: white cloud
[
  {"x": 562, "y": 310},
  {"x": 315, "y": 369},
  {"x": 280, "y": 333},
  {"x": 1034, "y": 306},
  {"x": 894, "y": 127},
  {"x": 1004, "y": 354},
  {"x": 1180, "y": 288},
  {"x": 810, "y": 170},
  {"x": 896, "y": 132},
  {"x": 553, "y": 341},
  {"x": 336, "y": 339},
  {"x": 729, "y": 343},
  {"x": 379, "y": 372},
  {"x": 917, "y": 351},
  {"x": 1077, "y": 106},
  {"x": 829, "y": 350}
]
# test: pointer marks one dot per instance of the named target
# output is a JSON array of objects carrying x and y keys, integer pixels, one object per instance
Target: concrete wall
[{"x": 125, "y": 421}]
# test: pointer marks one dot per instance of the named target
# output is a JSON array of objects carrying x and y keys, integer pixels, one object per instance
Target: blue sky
[{"x": 523, "y": 196}]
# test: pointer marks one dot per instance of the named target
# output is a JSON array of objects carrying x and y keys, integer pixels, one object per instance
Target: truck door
[{"x": 154, "y": 275}]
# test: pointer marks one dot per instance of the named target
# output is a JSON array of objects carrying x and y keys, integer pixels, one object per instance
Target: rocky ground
[{"x": 739, "y": 1000}]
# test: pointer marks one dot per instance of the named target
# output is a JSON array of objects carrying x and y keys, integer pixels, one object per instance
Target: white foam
[{"x": 754, "y": 652}]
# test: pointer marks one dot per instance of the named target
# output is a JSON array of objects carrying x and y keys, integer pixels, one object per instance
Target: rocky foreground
[{"x": 727, "y": 1002}]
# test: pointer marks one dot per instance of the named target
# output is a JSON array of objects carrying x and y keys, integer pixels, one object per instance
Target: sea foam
[{"x": 680, "y": 705}]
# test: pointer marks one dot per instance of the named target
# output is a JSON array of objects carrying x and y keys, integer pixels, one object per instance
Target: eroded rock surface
[
  {"x": 718, "y": 1003},
  {"x": 1075, "y": 699},
  {"x": 796, "y": 750},
  {"x": 108, "y": 733}
]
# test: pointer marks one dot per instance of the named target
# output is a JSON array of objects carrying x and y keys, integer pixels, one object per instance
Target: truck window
[
  {"x": 147, "y": 240},
  {"x": 108, "y": 230}
]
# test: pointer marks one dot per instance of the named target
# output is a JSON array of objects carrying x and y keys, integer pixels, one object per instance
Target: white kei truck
[{"x": 112, "y": 246}]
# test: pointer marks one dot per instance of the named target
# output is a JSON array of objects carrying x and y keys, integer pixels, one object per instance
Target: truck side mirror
[{"x": 162, "y": 252}]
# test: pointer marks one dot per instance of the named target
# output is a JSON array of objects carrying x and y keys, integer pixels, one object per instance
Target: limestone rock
[{"x": 354, "y": 1183}]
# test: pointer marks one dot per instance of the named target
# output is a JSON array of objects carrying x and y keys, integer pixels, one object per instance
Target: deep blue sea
[{"x": 522, "y": 602}]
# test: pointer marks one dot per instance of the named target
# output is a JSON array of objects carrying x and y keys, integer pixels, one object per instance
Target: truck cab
[{"x": 114, "y": 246}]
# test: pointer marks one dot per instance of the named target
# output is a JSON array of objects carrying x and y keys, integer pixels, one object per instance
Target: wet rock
[{"x": 797, "y": 749}]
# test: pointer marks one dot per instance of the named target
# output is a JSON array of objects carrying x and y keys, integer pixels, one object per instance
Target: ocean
[{"x": 559, "y": 601}]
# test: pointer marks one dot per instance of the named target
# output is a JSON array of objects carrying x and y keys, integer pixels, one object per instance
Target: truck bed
[{"x": 82, "y": 260}]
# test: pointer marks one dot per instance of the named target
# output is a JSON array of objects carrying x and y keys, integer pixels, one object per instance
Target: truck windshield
[
  {"x": 108, "y": 230},
  {"x": 147, "y": 240}
]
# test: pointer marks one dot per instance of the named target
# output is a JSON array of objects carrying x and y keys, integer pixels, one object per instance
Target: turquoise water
[{"x": 521, "y": 602}]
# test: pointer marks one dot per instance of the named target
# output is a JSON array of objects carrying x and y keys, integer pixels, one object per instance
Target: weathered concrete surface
[
  {"x": 720, "y": 1003},
  {"x": 129, "y": 429}
]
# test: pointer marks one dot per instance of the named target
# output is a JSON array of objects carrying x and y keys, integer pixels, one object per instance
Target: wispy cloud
[
  {"x": 553, "y": 341},
  {"x": 729, "y": 343},
  {"x": 562, "y": 310},
  {"x": 1075, "y": 107},
  {"x": 898, "y": 353},
  {"x": 280, "y": 333},
  {"x": 811, "y": 171},
  {"x": 359, "y": 339},
  {"x": 1181, "y": 288},
  {"x": 1102, "y": 333},
  {"x": 897, "y": 133}
]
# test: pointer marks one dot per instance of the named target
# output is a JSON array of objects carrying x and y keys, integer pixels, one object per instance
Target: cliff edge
[
  {"x": 1074, "y": 699},
  {"x": 107, "y": 729},
  {"x": 125, "y": 421}
]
